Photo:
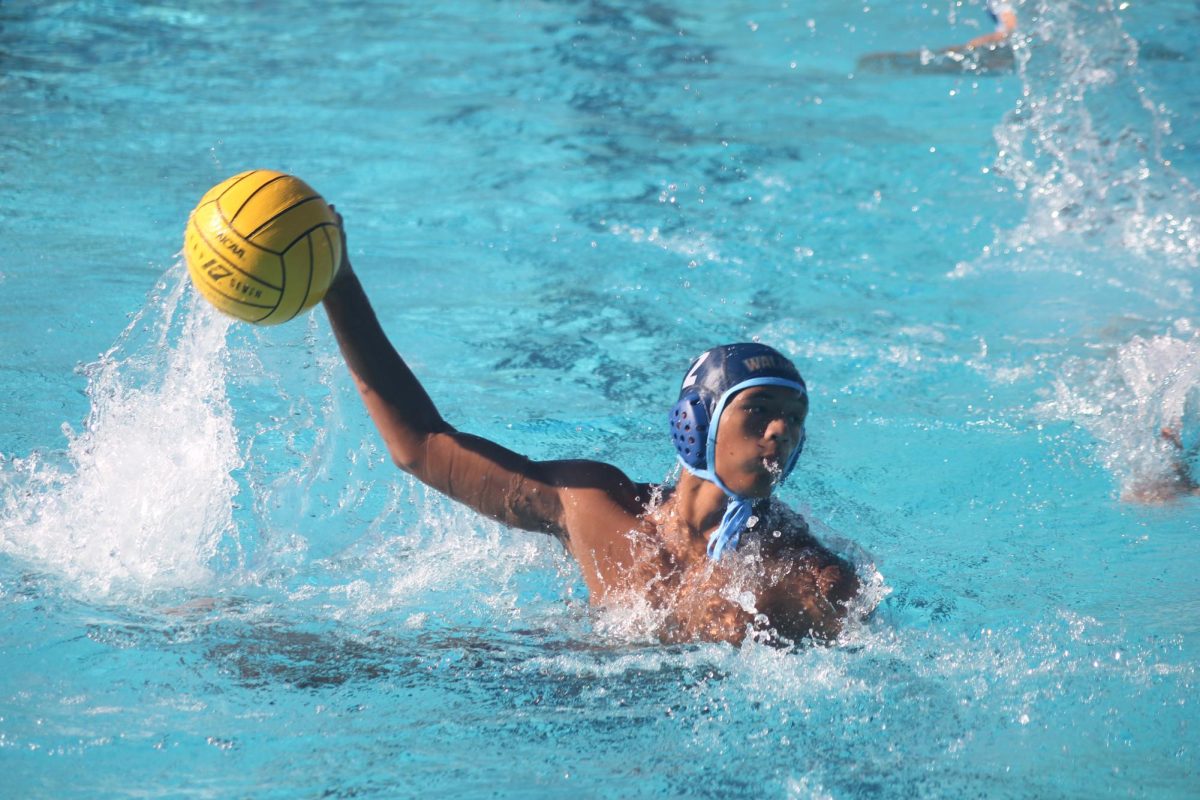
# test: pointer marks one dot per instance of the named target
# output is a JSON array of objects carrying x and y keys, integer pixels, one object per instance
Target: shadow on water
[
  {"x": 982, "y": 61},
  {"x": 518, "y": 668}
]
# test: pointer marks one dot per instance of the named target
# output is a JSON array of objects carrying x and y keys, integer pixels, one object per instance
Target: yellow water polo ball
[{"x": 262, "y": 246}]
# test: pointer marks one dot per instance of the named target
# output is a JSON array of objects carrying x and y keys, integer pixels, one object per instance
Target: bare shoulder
[
  {"x": 596, "y": 493},
  {"x": 580, "y": 475},
  {"x": 602, "y": 511},
  {"x": 799, "y": 557},
  {"x": 784, "y": 531},
  {"x": 808, "y": 587}
]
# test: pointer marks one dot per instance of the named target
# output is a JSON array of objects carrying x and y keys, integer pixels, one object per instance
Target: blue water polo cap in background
[{"x": 713, "y": 378}]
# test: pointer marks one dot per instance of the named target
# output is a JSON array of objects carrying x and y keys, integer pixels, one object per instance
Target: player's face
[{"x": 759, "y": 430}]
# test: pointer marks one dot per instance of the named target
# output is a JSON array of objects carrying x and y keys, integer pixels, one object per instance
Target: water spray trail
[
  {"x": 1148, "y": 384},
  {"x": 1069, "y": 149},
  {"x": 142, "y": 496}
]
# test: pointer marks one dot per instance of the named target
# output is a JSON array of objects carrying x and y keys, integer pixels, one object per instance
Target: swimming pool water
[{"x": 213, "y": 584}]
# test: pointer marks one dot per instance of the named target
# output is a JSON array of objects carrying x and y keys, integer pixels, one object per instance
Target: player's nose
[{"x": 781, "y": 430}]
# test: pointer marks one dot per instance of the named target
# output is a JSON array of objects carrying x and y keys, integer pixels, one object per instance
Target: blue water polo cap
[{"x": 713, "y": 378}]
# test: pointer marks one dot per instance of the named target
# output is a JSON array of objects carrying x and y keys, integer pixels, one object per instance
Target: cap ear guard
[{"x": 689, "y": 430}]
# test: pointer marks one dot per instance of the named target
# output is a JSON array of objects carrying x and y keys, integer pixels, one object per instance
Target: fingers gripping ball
[{"x": 262, "y": 246}]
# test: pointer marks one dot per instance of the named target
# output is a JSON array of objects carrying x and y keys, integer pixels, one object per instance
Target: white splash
[
  {"x": 142, "y": 496},
  {"x": 698, "y": 246},
  {"x": 1086, "y": 146},
  {"x": 1126, "y": 400}
]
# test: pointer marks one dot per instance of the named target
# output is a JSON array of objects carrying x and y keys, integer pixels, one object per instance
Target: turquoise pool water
[{"x": 213, "y": 584}]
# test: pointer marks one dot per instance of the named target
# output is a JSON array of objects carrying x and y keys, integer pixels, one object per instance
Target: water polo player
[{"x": 715, "y": 555}]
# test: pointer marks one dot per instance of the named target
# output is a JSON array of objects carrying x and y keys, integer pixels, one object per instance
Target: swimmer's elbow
[
  {"x": 408, "y": 459},
  {"x": 416, "y": 455}
]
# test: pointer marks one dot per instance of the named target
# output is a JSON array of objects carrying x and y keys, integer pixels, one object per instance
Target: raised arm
[
  {"x": 547, "y": 496},
  {"x": 494, "y": 481}
]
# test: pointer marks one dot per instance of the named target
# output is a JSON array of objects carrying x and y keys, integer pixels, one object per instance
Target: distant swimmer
[
  {"x": 716, "y": 555},
  {"x": 985, "y": 54},
  {"x": 1005, "y": 20},
  {"x": 1183, "y": 478}
]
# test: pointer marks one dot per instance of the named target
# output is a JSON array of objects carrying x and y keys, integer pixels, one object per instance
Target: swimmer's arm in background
[
  {"x": 1008, "y": 24},
  {"x": 1180, "y": 477},
  {"x": 1184, "y": 481},
  {"x": 497, "y": 482}
]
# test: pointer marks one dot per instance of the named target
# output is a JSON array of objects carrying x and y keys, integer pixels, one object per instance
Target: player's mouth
[{"x": 773, "y": 464}]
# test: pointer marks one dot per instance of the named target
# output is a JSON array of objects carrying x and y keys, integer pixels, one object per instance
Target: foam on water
[
  {"x": 1127, "y": 398},
  {"x": 141, "y": 497},
  {"x": 973, "y": 692},
  {"x": 448, "y": 564},
  {"x": 1086, "y": 147}
]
